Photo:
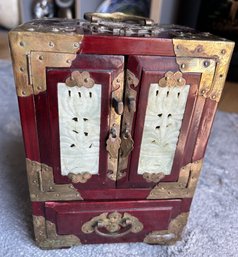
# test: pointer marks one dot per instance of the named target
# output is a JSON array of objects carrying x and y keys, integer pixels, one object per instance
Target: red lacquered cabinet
[{"x": 116, "y": 117}]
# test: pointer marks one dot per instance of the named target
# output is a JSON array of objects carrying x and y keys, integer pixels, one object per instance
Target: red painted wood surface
[
  {"x": 207, "y": 118},
  {"x": 38, "y": 208},
  {"x": 96, "y": 44},
  {"x": 29, "y": 129},
  {"x": 69, "y": 217}
]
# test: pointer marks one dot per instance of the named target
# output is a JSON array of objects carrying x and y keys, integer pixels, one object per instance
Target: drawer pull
[
  {"x": 113, "y": 225},
  {"x": 111, "y": 234}
]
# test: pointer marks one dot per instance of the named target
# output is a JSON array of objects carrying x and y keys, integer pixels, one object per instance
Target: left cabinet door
[{"x": 78, "y": 117}]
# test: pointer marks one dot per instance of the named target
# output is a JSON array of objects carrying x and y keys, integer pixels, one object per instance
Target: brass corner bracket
[
  {"x": 42, "y": 186},
  {"x": 214, "y": 58},
  {"x": 32, "y": 57},
  {"x": 170, "y": 236},
  {"x": 183, "y": 188},
  {"x": 46, "y": 235}
]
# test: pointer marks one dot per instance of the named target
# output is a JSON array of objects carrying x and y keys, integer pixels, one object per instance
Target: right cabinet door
[{"x": 162, "y": 119}]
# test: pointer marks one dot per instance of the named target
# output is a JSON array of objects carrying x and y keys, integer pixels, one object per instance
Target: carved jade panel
[
  {"x": 162, "y": 125},
  {"x": 79, "y": 123}
]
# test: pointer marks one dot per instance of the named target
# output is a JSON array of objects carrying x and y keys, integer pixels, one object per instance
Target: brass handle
[
  {"x": 117, "y": 17},
  {"x": 111, "y": 234},
  {"x": 113, "y": 224},
  {"x": 118, "y": 106}
]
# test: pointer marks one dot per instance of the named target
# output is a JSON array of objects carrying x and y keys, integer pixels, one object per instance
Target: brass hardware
[
  {"x": 183, "y": 188},
  {"x": 113, "y": 223},
  {"x": 118, "y": 106},
  {"x": 117, "y": 17},
  {"x": 172, "y": 79},
  {"x": 170, "y": 236},
  {"x": 131, "y": 79},
  {"x": 131, "y": 104},
  {"x": 42, "y": 186},
  {"x": 219, "y": 51},
  {"x": 47, "y": 237},
  {"x": 26, "y": 46},
  {"x": 127, "y": 143},
  {"x": 80, "y": 177},
  {"x": 153, "y": 177},
  {"x": 115, "y": 120},
  {"x": 113, "y": 143},
  {"x": 38, "y": 67},
  {"x": 128, "y": 115},
  {"x": 80, "y": 79},
  {"x": 197, "y": 65}
]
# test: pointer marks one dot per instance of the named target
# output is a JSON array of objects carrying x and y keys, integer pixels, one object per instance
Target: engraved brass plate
[
  {"x": 31, "y": 56},
  {"x": 113, "y": 142},
  {"x": 183, "y": 188},
  {"x": 47, "y": 237},
  {"x": 113, "y": 145},
  {"x": 127, "y": 143},
  {"x": 42, "y": 186},
  {"x": 115, "y": 224},
  {"x": 219, "y": 51},
  {"x": 170, "y": 236}
]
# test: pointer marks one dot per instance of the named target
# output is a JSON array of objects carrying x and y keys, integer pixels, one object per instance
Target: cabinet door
[
  {"x": 160, "y": 122},
  {"x": 78, "y": 120}
]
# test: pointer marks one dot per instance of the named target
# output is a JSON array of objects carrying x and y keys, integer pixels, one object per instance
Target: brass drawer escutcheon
[
  {"x": 113, "y": 143},
  {"x": 113, "y": 225}
]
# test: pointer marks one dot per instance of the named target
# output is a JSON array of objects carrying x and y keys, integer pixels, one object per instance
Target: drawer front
[{"x": 109, "y": 222}]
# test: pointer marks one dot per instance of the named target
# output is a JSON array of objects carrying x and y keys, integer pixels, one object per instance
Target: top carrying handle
[{"x": 117, "y": 17}]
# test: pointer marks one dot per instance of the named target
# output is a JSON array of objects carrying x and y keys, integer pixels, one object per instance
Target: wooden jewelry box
[{"x": 115, "y": 117}]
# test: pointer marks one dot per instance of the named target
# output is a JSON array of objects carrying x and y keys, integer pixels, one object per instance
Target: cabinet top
[{"x": 112, "y": 28}]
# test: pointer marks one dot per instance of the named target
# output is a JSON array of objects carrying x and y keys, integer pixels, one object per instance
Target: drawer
[{"x": 109, "y": 222}]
